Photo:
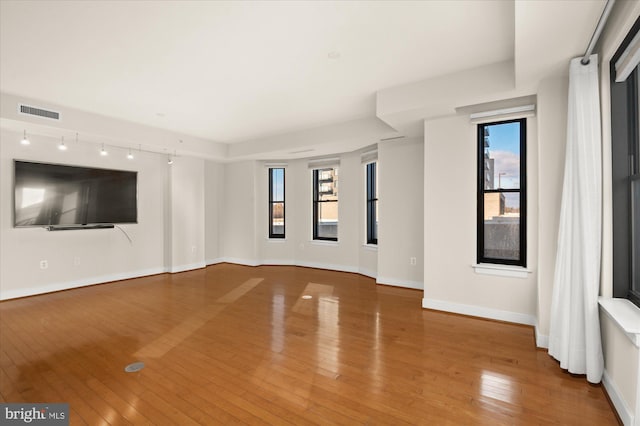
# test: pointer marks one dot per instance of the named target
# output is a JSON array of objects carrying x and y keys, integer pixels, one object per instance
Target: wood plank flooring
[{"x": 239, "y": 345}]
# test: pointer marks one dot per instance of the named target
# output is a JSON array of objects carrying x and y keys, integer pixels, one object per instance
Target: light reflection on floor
[
  {"x": 186, "y": 328},
  {"x": 497, "y": 386}
]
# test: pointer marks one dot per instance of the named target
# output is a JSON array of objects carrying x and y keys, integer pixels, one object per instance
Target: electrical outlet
[
  {"x": 193, "y": 249},
  {"x": 76, "y": 261},
  {"x": 44, "y": 264},
  {"x": 412, "y": 261}
]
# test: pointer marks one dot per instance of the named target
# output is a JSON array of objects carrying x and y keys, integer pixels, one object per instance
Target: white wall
[
  {"x": 450, "y": 176},
  {"x": 244, "y": 235},
  {"x": 552, "y": 131},
  {"x": 342, "y": 255},
  {"x": 239, "y": 213},
  {"x": 213, "y": 202},
  {"x": 401, "y": 183},
  {"x": 85, "y": 257},
  {"x": 187, "y": 214}
]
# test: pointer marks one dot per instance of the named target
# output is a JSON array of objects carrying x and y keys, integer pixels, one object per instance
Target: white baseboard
[
  {"x": 239, "y": 261},
  {"x": 187, "y": 267},
  {"x": 542, "y": 340},
  {"x": 400, "y": 283},
  {"x": 330, "y": 266},
  {"x": 49, "y": 288},
  {"x": 319, "y": 265},
  {"x": 618, "y": 402},
  {"x": 277, "y": 262},
  {"x": 478, "y": 311},
  {"x": 368, "y": 272}
]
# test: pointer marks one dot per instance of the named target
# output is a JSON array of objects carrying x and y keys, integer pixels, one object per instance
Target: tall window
[
  {"x": 372, "y": 204},
  {"x": 625, "y": 158},
  {"x": 276, "y": 203},
  {"x": 502, "y": 192},
  {"x": 325, "y": 204}
]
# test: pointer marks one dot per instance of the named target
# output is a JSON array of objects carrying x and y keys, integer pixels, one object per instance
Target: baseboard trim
[
  {"x": 620, "y": 406},
  {"x": 50, "y": 288},
  {"x": 542, "y": 340},
  {"x": 239, "y": 261},
  {"x": 330, "y": 266},
  {"x": 478, "y": 311},
  {"x": 367, "y": 272},
  {"x": 418, "y": 285},
  {"x": 318, "y": 265},
  {"x": 187, "y": 267},
  {"x": 277, "y": 262}
]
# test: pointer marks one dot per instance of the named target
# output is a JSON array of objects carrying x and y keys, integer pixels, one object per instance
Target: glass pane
[
  {"x": 375, "y": 226},
  {"x": 502, "y": 156},
  {"x": 327, "y": 185},
  {"x": 327, "y": 220},
  {"x": 502, "y": 225},
  {"x": 635, "y": 230},
  {"x": 277, "y": 218},
  {"x": 277, "y": 183},
  {"x": 375, "y": 167}
]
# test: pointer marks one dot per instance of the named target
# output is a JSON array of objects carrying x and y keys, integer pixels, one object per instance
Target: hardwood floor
[{"x": 232, "y": 344}]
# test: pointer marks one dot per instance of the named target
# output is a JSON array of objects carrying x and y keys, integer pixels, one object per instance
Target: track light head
[{"x": 25, "y": 140}]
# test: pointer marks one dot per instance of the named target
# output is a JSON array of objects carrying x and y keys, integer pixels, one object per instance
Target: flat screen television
[{"x": 62, "y": 196}]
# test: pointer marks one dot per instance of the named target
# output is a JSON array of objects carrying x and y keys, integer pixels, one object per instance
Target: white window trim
[
  {"x": 625, "y": 314},
  {"x": 324, "y": 242},
  {"x": 276, "y": 240},
  {"x": 501, "y": 270}
]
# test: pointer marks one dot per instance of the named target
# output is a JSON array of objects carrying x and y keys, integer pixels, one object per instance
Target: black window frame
[
  {"x": 625, "y": 169},
  {"x": 481, "y": 258},
  {"x": 272, "y": 202},
  {"x": 372, "y": 202},
  {"x": 317, "y": 202}
]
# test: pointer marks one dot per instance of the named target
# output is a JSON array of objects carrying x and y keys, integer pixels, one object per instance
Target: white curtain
[{"x": 574, "y": 335}]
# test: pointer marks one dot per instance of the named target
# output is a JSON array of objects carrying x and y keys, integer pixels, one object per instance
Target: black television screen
[{"x": 54, "y": 194}]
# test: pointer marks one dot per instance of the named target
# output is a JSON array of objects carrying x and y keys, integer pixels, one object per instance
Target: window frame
[
  {"x": 371, "y": 170},
  {"x": 273, "y": 235},
  {"x": 481, "y": 191},
  {"x": 625, "y": 169},
  {"x": 317, "y": 202}
]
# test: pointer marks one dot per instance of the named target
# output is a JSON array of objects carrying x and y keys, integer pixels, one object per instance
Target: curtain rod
[{"x": 596, "y": 33}]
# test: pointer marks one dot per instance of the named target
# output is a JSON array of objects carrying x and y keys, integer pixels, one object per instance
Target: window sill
[
  {"x": 324, "y": 242},
  {"x": 276, "y": 240},
  {"x": 625, "y": 314},
  {"x": 501, "y": 270},
  {"x": 372, "y": 247}
]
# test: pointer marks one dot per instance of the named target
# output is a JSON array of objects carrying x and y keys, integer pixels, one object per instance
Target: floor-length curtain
[{"x": 574, "y": 335}]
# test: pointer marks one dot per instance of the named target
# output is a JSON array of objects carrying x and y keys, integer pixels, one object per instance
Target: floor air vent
[{"x": 38, "y": 112}]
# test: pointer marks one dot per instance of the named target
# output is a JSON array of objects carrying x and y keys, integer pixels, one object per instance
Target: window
[
  {"x": 372, "y": 204},
  {"x": 502, "y": 192},
  {"x": 325, "y": 204},
  {"x": 276, "y": 203},
  {"x": 625, "y": 158}
]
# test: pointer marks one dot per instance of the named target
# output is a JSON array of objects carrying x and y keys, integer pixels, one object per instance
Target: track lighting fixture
[
  {"x": 62, "y": 146},
  {"x": 169, "y": 159},
  {"x": 130, "y": 155},
  {"x": 24, "y": 140},
  {"x": 103, "y": 152}
]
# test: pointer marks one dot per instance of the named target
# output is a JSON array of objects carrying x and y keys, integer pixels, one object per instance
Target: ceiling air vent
[{"x": 38, "y": 112}]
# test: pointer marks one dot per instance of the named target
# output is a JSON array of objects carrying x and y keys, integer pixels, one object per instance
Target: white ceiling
[{"x": 235, "y": 71}]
